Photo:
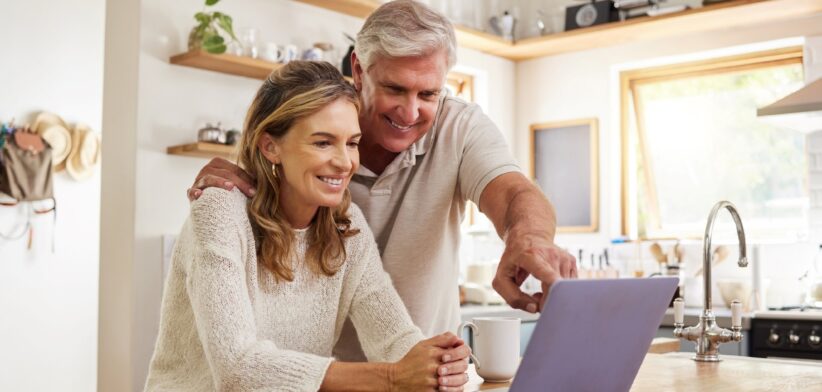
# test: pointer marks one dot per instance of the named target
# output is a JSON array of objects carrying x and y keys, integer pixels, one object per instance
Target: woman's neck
[{"x": 296, "y": 212}]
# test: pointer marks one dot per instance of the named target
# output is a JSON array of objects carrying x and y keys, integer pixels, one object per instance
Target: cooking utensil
[
  {"x": 658, "y": 254},
  {"x": 719, "y": 255},
  {"x": 679, "y": 253},
  {"x": 211, "y": 134}
]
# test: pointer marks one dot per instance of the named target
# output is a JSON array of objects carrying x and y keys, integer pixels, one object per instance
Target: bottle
[
  {"x": 582, "y": 272},
  {"x": 601, "y": 270},
  {"x": 813, "y": 290}
]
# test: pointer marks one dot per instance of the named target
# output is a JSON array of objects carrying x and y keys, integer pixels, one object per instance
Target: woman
[{"x": 259, "y": 290}]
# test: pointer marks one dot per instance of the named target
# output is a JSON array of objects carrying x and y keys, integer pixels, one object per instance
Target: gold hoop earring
[{"x": 274, "y": 170}]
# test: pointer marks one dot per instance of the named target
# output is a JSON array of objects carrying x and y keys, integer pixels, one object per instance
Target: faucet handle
[
  {"x": 736, "y": 314},
  {"x": 679, "y": 311}
]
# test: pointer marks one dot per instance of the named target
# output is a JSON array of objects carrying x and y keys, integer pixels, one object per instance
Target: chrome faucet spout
[
  {"x": 707, "y": 334},
  {"x": 706, "y": 255}
]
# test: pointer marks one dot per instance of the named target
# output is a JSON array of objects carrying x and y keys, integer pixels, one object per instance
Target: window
[
  {"x": 460, "y": 85},
  {"x": 691, "y": 137}
]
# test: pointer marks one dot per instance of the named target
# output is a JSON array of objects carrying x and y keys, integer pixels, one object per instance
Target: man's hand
[
  {"x": 531, "y": 255},
  {"x": 526, "y": 221},
  {"x": 222, "y": 174}
]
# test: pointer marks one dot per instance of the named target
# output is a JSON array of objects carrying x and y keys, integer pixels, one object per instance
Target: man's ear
[
  {"x": 269, "y": 148},
  {"x": 356, "y": 71}
]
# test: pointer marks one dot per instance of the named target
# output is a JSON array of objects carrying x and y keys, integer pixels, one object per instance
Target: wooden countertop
[{"x": 677, "y": 372}]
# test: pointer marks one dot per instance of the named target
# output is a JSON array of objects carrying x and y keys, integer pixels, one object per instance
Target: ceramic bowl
[{"x": 731, "y": 289}]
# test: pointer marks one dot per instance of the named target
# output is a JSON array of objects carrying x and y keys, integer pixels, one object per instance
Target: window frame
[{"x": 628, "y": 97}]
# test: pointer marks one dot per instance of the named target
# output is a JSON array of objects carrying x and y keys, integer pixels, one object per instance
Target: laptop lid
[{"x": 593, "y": 335}]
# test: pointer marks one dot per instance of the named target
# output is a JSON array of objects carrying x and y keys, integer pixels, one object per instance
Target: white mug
[
  {"x": 272, "y": 52},
  {"x": 496, "y": 346},
  {"x": 313, "y": 54},
  {"x": 290, "y": 53}
]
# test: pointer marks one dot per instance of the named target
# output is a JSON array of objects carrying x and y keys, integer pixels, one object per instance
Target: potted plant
[{"x": 206, "y": 34}]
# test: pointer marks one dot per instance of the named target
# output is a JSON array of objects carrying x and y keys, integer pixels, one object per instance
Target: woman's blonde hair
[{"x": 293, "y": 92}]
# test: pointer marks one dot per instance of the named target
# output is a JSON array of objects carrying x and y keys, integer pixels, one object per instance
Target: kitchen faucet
[{"x": 707, "y": 334}]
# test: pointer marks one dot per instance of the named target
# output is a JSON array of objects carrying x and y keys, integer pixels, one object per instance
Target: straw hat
[
  {"x": 85, "y": 152},
  {"x": 54, "y": 131}
]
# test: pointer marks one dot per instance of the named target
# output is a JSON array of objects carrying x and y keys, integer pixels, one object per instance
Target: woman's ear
[{"x": 269, "y": 148}]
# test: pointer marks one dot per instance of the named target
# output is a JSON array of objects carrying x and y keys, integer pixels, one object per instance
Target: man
[{"x": 423, "y": 155}]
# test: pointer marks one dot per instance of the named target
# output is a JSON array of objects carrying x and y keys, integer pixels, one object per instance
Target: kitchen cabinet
[{"x": 525, "y": 332}]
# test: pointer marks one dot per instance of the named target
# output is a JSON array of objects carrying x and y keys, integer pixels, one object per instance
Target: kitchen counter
[
  {"x": 677, "y": 372},
  {"x": 467, "y": 312}
]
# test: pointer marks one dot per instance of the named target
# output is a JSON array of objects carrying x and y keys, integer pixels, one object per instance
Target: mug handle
[{"x": 474, "y": 332}]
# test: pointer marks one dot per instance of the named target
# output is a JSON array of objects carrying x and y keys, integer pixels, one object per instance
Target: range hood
[{"x": 801, "y": 110}]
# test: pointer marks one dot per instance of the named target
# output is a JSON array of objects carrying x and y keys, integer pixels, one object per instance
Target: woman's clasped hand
[{"x": 434, "y": 357}]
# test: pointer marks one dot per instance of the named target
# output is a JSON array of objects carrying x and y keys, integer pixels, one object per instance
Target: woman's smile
[{"x": 316, "y": 160}]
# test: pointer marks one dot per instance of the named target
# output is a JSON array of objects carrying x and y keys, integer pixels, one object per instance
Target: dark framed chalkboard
[{"x": 565, "y": 165}]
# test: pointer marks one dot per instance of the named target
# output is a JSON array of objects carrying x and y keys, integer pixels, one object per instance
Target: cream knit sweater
[{"x": 227, "y": 325}]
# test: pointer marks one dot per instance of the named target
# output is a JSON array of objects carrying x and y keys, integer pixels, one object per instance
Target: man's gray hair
[{"x": 405, "y": 28}]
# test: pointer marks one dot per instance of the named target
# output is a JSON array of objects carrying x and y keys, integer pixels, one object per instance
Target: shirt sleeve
[
  {"x": 384, "y": 328},
  {"x": 484, "y": 153},
  {"x": 223, "y": 312}
]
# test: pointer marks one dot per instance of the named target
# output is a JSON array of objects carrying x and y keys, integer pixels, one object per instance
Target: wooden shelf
[
  {"x": 725, "y": 15},
  {"x": 356, "y": 8},
  {"x": 229, "y": 64},
  {"x": 226, "y": 63},
  {"x": 203, "y": 150}
]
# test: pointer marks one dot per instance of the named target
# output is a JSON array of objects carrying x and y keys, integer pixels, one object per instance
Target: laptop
[{"x": 593, "y": 335}]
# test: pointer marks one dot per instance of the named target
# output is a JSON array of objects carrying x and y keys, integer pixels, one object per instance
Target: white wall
[
  {"x": 175, "y": 101},
  {"x": 494, "y": 79},
  {"x": 52, "y": 60},
  {"x": 585, "y": 84}
]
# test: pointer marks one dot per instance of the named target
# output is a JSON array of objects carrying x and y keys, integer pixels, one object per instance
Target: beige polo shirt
[{"x": 416, "y": 205}]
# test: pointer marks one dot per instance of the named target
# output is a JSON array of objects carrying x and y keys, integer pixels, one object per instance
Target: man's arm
[
  {"x": 525, "y": 220},
  {"x": 221, "y": 173}
]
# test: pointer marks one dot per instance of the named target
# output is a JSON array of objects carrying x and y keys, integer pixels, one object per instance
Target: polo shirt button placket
[{"x": 380, "y": 189}]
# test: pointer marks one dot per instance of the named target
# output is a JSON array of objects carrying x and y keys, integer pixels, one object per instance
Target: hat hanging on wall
[
  {"x": 54, "y": 131},
  {"x": 85, "y": 152}
]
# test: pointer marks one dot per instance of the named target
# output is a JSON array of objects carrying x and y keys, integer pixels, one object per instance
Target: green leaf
[
  {"x": 224, "y": 21},
  {"x": 217, "y": 49},
  {"x": 211, "y": 2},
  {"x": 210, "y": 31},
  {"x": 213, "y": 40},
  {"x": 203, "y": 18}
]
